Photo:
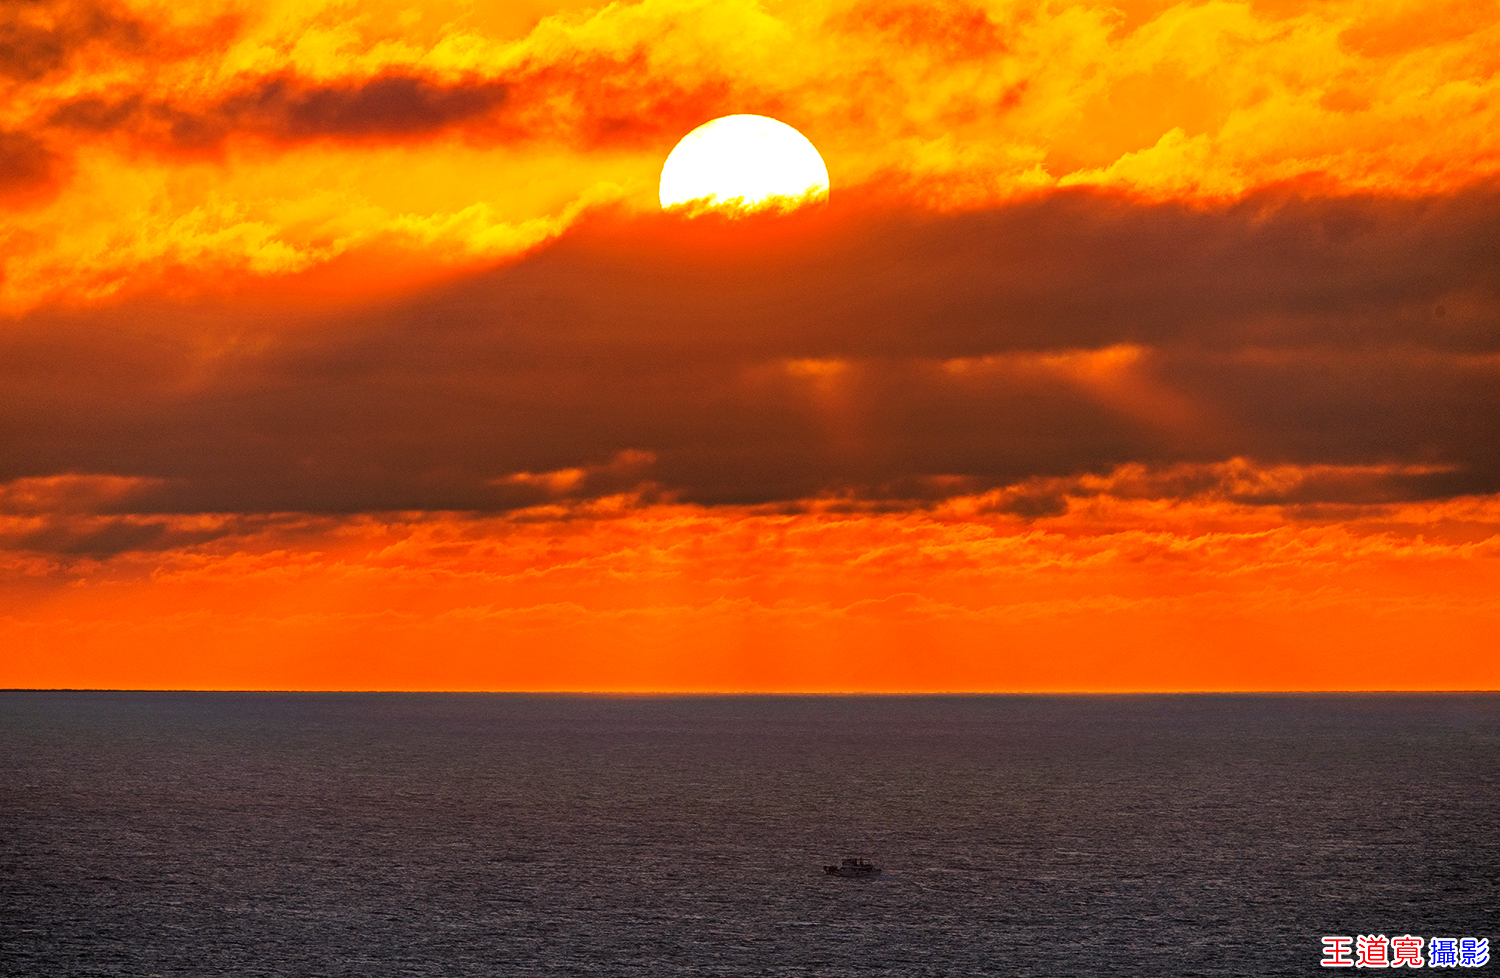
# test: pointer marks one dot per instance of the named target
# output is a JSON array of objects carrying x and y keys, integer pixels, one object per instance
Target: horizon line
[{"x": 754, "y": 692}]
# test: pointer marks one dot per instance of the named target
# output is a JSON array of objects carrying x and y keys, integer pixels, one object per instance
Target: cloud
[
  {"x": 951, "y": 31},
  {"x": 329, "y": 327},
  {"x": 321, "y": 131},
  {"x": 39, "y": 37},
  {"x": 623, "y": 473},
  {"x": 71, "y": 493},
  {"x": 576, "y": 596},
  {"x": 1293, "y": 490},
  {"x": 283, "y": 108},
  {"x": 26, "y": 165},
  {"x": 866, "y": 353}
]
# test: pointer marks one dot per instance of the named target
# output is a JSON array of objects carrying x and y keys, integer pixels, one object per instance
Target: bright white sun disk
[{"x": 746, "y": 158}]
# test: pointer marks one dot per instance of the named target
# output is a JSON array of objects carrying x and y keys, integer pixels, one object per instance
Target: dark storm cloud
[
  {"x": 869, "y": 354},
  {"x": 391, "y": 106}
]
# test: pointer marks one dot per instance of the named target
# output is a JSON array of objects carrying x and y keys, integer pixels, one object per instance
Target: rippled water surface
[{"x": 298, "y": 834}]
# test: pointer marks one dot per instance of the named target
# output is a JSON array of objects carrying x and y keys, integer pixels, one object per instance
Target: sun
[{"x": 743, "y": 162}]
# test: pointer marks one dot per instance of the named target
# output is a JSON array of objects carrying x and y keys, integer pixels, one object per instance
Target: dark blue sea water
[{"x": 295, "y": 834}]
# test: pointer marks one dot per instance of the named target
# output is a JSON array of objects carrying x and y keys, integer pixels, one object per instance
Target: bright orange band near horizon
[
  {"x": 1115, "y": 594},
  {"x": 1141, "y": 346}
]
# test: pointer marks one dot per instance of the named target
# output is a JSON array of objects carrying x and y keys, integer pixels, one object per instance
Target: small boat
[{"x": 852, "y": 867}]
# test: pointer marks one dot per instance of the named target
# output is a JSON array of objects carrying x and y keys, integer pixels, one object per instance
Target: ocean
[{"x": 146, "y": 834}]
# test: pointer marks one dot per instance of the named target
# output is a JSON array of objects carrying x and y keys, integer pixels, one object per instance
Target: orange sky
[{"x": 1141, "y": 346}]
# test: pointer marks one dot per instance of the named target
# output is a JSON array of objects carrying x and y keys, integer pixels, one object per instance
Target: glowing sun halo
[{"x": 748, "y": 161}]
